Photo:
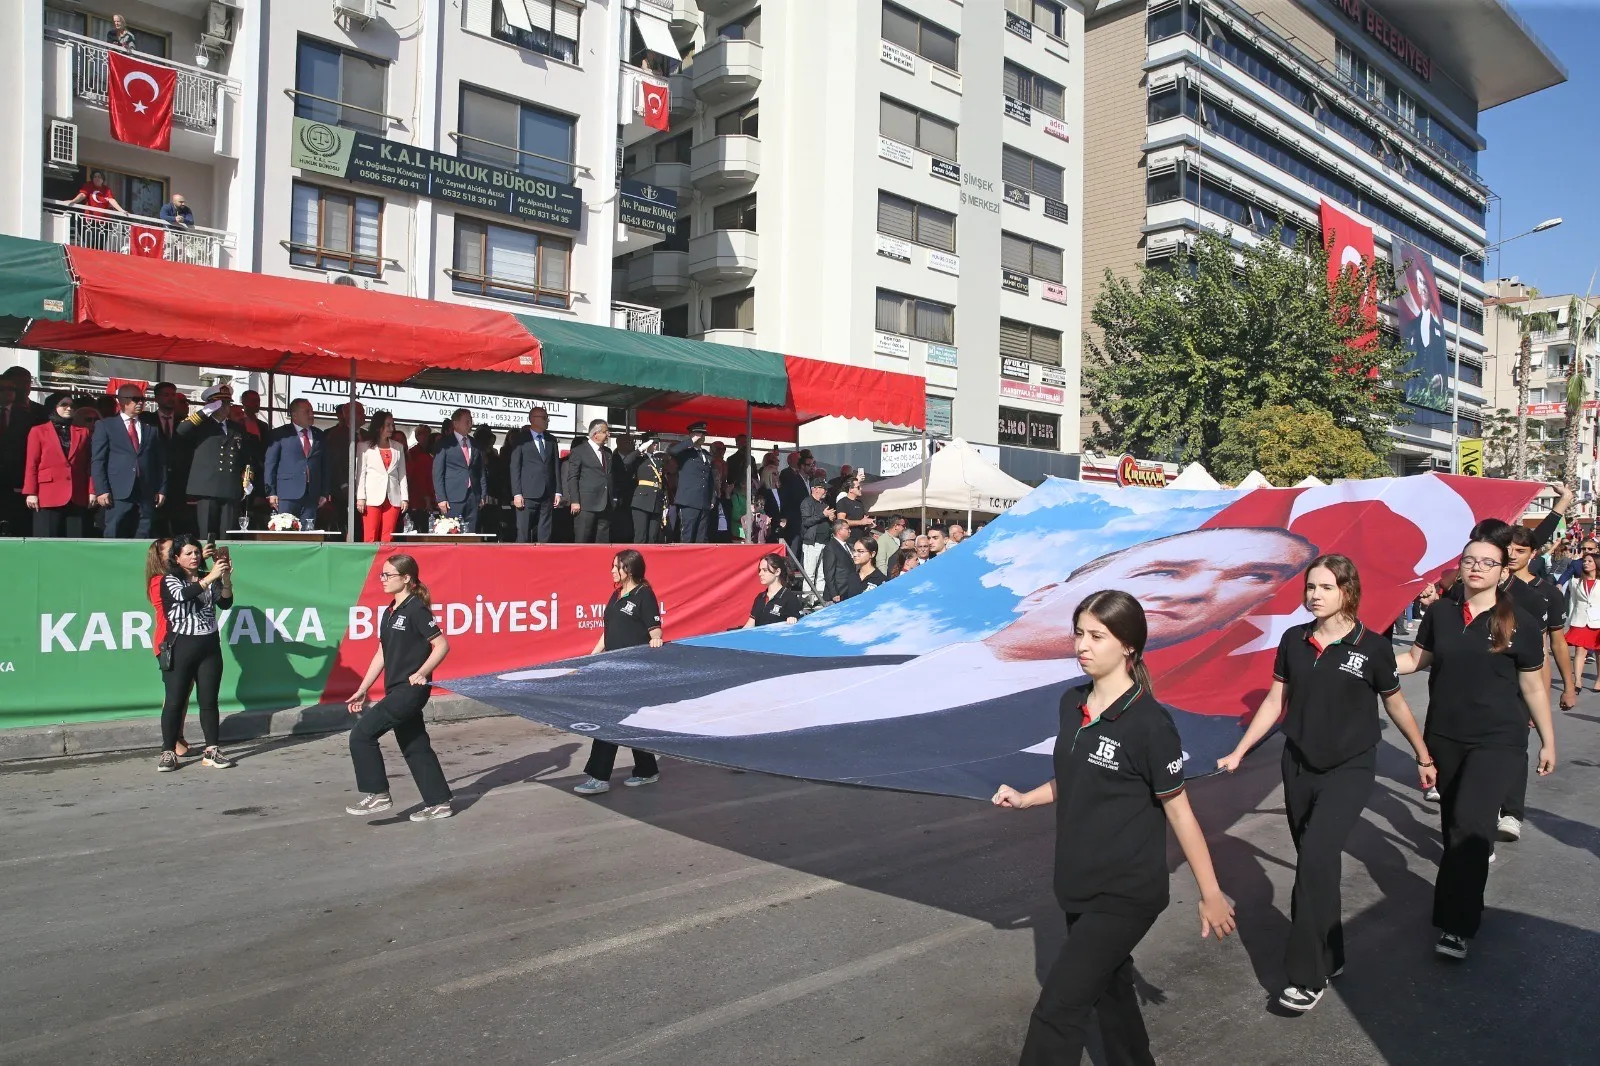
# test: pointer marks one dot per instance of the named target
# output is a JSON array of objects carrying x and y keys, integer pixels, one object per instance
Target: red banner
[
  {"x": 508, "y": 607},
  {"x": 1350, "y": 248},
  {"x": 113, "y": 384},
  {"x": 147, "y": 241},
  {"x": 655, "y": 105},
  {"x": 139, "y": 95}
]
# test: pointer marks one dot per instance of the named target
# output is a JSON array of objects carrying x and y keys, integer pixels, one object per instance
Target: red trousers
[{"x": 378, "y": 522}]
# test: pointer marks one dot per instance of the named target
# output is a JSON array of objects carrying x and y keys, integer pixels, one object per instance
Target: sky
[{"x": 1544, "y": 157}]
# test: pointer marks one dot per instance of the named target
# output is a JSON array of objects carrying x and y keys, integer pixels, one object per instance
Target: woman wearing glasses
[
  {"x": 633, "y": 620},
  {"x": 776, "y": 602},
  {"x": 1486, "y": 656},
  {"x": 864, "y": 553},
  {"x": 410, "y": 648}
]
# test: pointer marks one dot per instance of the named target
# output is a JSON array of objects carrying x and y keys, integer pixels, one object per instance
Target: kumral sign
[
  {"x": 1133, "y": 473},
  {"x": 367, "y": 159}
]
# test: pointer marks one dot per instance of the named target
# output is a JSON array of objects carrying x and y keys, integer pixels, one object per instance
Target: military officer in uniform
[
  {"x": 697, "y": 482},
  {"x": 220, "y": 452},
  {"x": 648, "y": 498}
]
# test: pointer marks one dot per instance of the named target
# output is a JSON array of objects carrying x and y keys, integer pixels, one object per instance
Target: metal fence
[
  {"x": 83, "y": 228},
  {"x": 195, "y": 97}
]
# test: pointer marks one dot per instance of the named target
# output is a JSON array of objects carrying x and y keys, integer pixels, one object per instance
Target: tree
[
  {"x": 1222, "y": 333},
  {"x": 1583, "y": 325},
  {"x": 1288, "y": 444},
  {"x": 1500, "y": 447}
]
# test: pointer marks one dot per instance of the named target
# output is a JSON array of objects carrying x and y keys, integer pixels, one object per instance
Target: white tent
[
  {"x": 1254, "y": 480},
  {"x": 1194, "y": 476},
  {"x": 959, "y": 479},
  {"x": 1310, "y": 481}
]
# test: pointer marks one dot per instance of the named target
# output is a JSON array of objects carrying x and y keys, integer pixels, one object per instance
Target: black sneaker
[
  {"x": 1452, "y": 946},
  {"x": 1300, "y": 999},
  {"x": 433, "y": 814},
  {"x": 216, "y": 759},
  {"x": 372, "y": 803},
  {"x": 167, "y": 763}
]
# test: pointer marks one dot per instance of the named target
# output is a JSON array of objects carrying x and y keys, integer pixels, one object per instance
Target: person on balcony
[
  {"x": 177, "y": 214},
  {"x": 120, "y": 35},
  {"x": 96, "y": 196}
]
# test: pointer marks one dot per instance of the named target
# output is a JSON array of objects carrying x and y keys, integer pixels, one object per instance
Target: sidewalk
[{"x": 133, "y": 734}]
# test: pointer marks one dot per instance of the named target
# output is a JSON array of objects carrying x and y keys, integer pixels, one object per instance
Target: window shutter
[
  {"x": 935, "y": 322},
  {"x": 747, "y": 309},
  {"x": 889, "y": 318},
  {"x": 303, "y": 216},
  {"x": 567, "y": 21},
  {"x": 1016, "y": 253},
  {"x": 513, "y": 256},
  {"x": 516, "y": 13},
  {"x": 899, "y": 28},
  {"x": 1016, "y": 168},
  {"x": 469, "y": 248},
  {"x": 542, "y": 14},
  {"x": 1046, "y": 346},
  {"x": 895, "y": 217},
  {"x": 1011, "y": 83},
  {"x": 1047, "y": 262},
  {"x": 1013, "y": 339},
  {"x": 936, "y": 229},
  {"x": 938, "y": 137},
  {"x": 369, "y": 214},
  {"x": 1052, "y": 100},
  {"x": 1047, "y": 179},
  {"x": 554, "y": 256},
  {"x": 897, "y": 122},
  {"x": 477, "y": 16}
]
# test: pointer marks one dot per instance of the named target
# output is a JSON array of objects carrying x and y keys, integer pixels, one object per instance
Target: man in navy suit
[
  {"x": 460, "y": 480},
  {"x": 128, "y": 464},
  {"x": 535, "y": 483},
  {"x": 296, "y": 468}
]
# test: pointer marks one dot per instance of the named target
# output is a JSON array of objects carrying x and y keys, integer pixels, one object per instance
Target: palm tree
[
  {"x": 1528, "y": 323},
  {"x": 1583, "y": 326}
]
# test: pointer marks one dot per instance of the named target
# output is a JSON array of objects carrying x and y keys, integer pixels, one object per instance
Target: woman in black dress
[
  {"x": 776, "y": 602},
  {"x": 633, "y": 619}
]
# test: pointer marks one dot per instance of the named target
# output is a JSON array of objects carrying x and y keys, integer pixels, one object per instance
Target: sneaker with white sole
[
  {"x": 635, "y": 781},
  {"x": 371, "y": 803},
  {"x": 1300, "y": 999},
  {"x": 591, "y": 786},
  {"x": 1451, "y": 946},
  {"x": 1338, "y": 971},
  {"x": 1432, "y": 795},
  {"x": 167, "y": 763},
  {"x": 216, "y": 758},
  {"x": 434, "y": 813},
  {"x": 1509, "y": 828}
]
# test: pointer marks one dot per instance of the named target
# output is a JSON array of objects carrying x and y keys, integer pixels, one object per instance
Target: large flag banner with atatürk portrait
[
  {"x": 1420, "y": 316},
  {"x": 949, "y": 679}
]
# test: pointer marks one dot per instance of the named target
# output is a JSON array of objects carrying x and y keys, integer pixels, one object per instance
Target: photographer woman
[
  {"x": 633, "y": 619},
  {"x": 191, "y": 654}
]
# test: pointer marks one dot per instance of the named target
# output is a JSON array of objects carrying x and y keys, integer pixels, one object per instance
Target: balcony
[
  {"x": 738, "y": 338},
  {"x": 636, "y": 317},
  {"x": 115, "y": 233},
  {"x": 680, "y": 96},
  {"x": 197, "y": 99},
  {"x": 654, "y": 275},
  {"x": 685, "y": 17},
  {"x": 722, "y": 255},
  {"x": 725, "y": 162},
  {"x": 726, "y": 69},
  {"x": 674, "y": 176},
  {"x": 716, "y": 8}
]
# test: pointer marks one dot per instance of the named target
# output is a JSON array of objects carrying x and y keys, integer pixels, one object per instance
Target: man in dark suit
[
  {"x": 589, "y": 486},
  {"x": 175, "y": 515},
  {"x": 624, "y": 481},
  {"x": 460, "y": 478},
  {"x": 220, "y": 450},
  {"x": 649, "y": 493},
  {"x": 296, "y": 468},
  {"x": 535, "y": 482},
  {"x": 128, "y": 466},
  {"x": 792, "y": 488},
  {"x": 697, "y": 484},
  {"x": 839, "y": 578},
  {"x": 338, "y": 445}
]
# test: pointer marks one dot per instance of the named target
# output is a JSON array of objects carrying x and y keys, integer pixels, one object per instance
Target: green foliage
[
  {"x": 1223, "y": 334},
  {"x": 1287, "y": 444}
]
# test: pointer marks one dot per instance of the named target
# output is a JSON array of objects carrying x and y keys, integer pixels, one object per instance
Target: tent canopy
[
  {"x": 1255, "y": 479},
  {"x": 1310, "y": 481},
  {"x": 34, "y": 283},
  {"x": 959, "y": 479},
  {"x": 1196, "y": 477}
]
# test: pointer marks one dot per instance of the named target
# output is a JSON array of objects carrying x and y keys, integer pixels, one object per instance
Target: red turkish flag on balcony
[
  {"x": 140, "y": 96},
  {"x": 148, "y": 241},
  {"x": 654, "y": 104}
]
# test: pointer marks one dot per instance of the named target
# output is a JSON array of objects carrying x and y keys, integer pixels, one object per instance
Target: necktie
[
  {"x": 133, "y": 435},
  {"x": 466, "y": 457},
  {"x": 305, "y": 443},
  {"x": 538, "y": 444},
  {"x": 166, "y": 426}
]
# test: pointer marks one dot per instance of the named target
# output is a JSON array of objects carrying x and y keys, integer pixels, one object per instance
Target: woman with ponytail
[
  {"x": 410, "y": 648},
  {"x": 1118, "y": 784},
  {"x": 1487, "y": 657}
]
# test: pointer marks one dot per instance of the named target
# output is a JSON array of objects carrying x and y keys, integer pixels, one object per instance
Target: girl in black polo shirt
[
  {"x": 1119, "y": 782},
  {"x": 1487, "y": 655},
  {"x": 776, "y": 602},
  {"x": 633, "y": 619},
  {"x": 1332, "y": 671}
]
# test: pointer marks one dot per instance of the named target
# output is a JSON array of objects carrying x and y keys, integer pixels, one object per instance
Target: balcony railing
[
  {"x": 636, "y": 317},
  {"x": 195, "y": 99},
  {"x": 105, "y": 232}
]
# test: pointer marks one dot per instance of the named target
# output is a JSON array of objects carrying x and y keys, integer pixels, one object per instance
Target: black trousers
[
  {"x": 1093, "y": 973},
  {"x": 399, "y": 712},
  {"x": 215, "y": 518},
  {"x": 621, "y": 525},
  {"x": 196, "y": 664},
  {"x": 1323, "y": 807},
  {"x": 591, "y": 527},
  {"x": 174, "y": 516},
  {"x": 1516, "y": 801},
  {"x": 603, "y": 756},
  {"x": 68, "y": 521},
  {"x": 694, "y": 525},
  {"x": 1473, "y": 781},
  {"x": 15, "y": 521},
  {"x": 646, "y": 526},
  {"x": 534, "y": 521}
]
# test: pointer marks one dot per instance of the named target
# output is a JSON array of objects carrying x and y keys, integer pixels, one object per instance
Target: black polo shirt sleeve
[
  {"x": 1159, "y": 760},
  {"x": 1424, "y": 639},
  {"x": 1555, "y": 616},
  {"x": 1527, "y": 649},
  {"x": 1280, "y": 665},
  {"x": 1385, "y": 671}
]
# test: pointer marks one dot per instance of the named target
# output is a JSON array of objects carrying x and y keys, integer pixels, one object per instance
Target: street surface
[{"x": 723, "y": 918}]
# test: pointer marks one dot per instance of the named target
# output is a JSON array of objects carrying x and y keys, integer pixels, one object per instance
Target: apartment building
[
  {"x": 886, "y": 184},
  {"x": 1236, "y": 118}
]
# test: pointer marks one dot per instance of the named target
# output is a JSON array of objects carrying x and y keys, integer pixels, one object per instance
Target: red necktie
[
  {"x": 466, "y": 457},
  {"x": 166, "y": 426},
  {"x": 305, "y": 442},
  {"x": 133, "y": 435}
]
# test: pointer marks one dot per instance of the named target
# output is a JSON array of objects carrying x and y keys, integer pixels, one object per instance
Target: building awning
[
  {"x": 656, "y": 35},
  {"x": 34, "y": 283}
]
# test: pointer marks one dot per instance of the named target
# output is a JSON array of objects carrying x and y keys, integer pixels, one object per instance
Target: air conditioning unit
[
  {"x": 219, "y": 28},
  {"x": 355, "y": 12},
  {"x": 63, "y": 147},
  {"x": 354, "y": 281}
]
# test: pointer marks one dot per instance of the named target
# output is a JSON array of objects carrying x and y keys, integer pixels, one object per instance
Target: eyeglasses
[
  {"x": 1470, "y": 563},
  {"x": 388, "y": 575},
  {"x": 1591, "y": 551}
]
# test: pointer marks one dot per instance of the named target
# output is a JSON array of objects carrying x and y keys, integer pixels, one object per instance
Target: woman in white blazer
[
  {"x": 381, "y": 489},
  {"x": 1583, "y": 616}
]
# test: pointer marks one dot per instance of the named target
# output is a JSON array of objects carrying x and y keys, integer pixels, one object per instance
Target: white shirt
[{"x": 599, "y": 450}]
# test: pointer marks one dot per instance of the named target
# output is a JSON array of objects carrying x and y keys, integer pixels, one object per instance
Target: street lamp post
[{"x": 1455, "y": 398}]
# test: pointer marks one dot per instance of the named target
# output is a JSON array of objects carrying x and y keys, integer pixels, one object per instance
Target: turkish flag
[
  {"x": 1350, "y": 247},
  {"x": 147, "y": 241},
  {"x": 655, "y": 104},
  {"x": 141, "y": 101}
]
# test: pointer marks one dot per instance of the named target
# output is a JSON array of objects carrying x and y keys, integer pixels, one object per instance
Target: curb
[{"x": 143, "y": 734}]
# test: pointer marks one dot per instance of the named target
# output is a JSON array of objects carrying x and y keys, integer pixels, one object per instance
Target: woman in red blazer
[{"x": 55, "y": 476}]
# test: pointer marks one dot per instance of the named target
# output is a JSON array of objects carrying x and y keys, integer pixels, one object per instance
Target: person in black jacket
[
  {"x": 220, "y": 452},
  {"x": 816, "y": 520},
  {"x": 535, "y": 480},
  {"x": 589, "y": 486},
  {"x": 624, "y": 482},
  {"x": 127, "y": 464},
  {"x": 649, "y": 497},
  {"x": 839, "y": 578},
  {"x": 632, "y": 620},
  {"x": 460, "y": 476},
  {"x": 792, "y": 488},
  {"x": 697, "y": 486}
]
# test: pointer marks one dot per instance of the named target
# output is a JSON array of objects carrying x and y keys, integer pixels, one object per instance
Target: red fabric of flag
[
  {"x": 655, "y": 105},
  {"x": 140, "y": 99},
  {"x": 147, "y": 241}
]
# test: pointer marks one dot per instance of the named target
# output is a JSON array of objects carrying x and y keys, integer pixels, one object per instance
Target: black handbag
[{"x": 164, "y": 655}]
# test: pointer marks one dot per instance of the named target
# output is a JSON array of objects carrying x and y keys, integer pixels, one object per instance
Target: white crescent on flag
[
  {"x": 146, "y": 242},
  {"x": 127, "y": 86}
]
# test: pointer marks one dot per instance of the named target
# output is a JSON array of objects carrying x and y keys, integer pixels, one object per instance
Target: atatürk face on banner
[{"x": 1188, "y": 584}]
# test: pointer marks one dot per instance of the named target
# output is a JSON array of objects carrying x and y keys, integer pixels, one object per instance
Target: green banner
[{"x": 77, "y": 628}]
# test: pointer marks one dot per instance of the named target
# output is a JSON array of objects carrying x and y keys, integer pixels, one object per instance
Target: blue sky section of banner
[{"x": 975, "y": 588}]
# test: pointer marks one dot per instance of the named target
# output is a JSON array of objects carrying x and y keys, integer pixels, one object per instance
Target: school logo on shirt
[
  {"x": 399, "y": 623},
  {"x": 1105, "y": 754},
  {"x": 1354, "y": 664},
  {"x": 1175, "y": 766},
  {"x": 627, "y": 609}
]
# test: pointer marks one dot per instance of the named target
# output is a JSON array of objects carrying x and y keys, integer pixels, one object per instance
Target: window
[
  {"x": 1030, "y": 257},
  {"x": 512, "y": 264},
  {"x": 744, "y": 120},
  {"x": 1027, "y": 172},
  {"x": 929, "y": 40},
  {"x": 340, "y": 87},
  {"x": 675, "y": 321},
  {"x": 932, "y": 134},
  {"x": 549, "y": 27},
  {"x": 336, "y": 230},
  {"x": 1048, "y": 15},
  {"x": 1018, "y": 340},
  {"x": 99, "y": 28},
  {"x": 736, "y": 310},
  {"x": 508, "y": 133},
  {"x": 736, "y": 214},
  {"x": 744, "y": 28},
  {"x": 678, "y": 240},
  {"x": 1165, "y": 105},
  {"x": 917, "y": 223},
  {"x": 1038, "y": 92},
  {"x": 674, "y": 150},
  {"x": 913, "y": 317},
  {"x": 1536, "y": 396}
]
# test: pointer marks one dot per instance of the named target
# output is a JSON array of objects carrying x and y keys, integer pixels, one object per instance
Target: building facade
[{"x": 1205, "y": 114}]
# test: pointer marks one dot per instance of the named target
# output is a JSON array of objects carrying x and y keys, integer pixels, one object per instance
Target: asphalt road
[{"x": 722, "y": 918}]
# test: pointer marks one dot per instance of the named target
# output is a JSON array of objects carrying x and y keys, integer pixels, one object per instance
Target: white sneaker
[
  {"x": 372, "y": 803},
  {"x": 433, "y": 814},
  {"x": 1432, "y": 795},
  {"x": 1300, "y": 999},
  {"x": 635, "y": 781},
  {"x": 1510, "y": 828},
  {"x": 591, "y": 786}
]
